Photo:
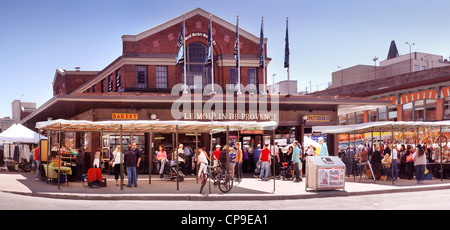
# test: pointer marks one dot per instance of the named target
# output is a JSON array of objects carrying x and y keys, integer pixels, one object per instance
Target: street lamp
[
  {"x": 410, "y": 58},
  {"x": 303, "y": 122}
]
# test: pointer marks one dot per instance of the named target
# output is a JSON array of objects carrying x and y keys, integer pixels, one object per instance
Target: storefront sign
[
  {"x": 323, "y": 118},
  {"x": 124, "y": 116},
  {"x": 232, "y": 116}
]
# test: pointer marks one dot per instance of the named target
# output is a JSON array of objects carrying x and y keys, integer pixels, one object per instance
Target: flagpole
[
  {"x": 184, "y": 56},
  {"x": 239, "y": 57},
  {"x": 212, "y": 56},
  {"x": 287, "y": 22}
]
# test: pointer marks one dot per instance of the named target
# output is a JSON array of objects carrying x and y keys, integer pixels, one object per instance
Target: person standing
[
  {"x": 130, "y": 163},
  {"x": 37, "y": 160},
  {"x": 138, "y": 154},
  {"x": 232, "y": 161},
  {"x": 116, "y": 163},
  {"x": 239, "y": 158},
  {"x": 187, "y": 160},
  {"x": 80, "y": 163},
  {"x": 256, "y": 155},
  {"x": 162, "y": 159},
  {"x": 376, "y": 162},
  {"x": 216, "y": 155},
  {"x": 296, "y": 154},
  {"x": 394, "y": 161},
  {"x": 203, "y": 163},
  {"x": 420, "y": 161},
  {"x": 322, "y": 150},
  {"x": 265, "y": 162}
]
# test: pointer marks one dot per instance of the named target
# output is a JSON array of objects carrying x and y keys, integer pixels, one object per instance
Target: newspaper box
[{"x": 324, "y": 173}]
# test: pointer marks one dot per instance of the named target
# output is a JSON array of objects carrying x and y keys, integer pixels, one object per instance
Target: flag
[
  {"x": 261, "y": 46},
  {"x": 286, "y": 48},
  {"x": 208, "y": 47},
  {"x": 180, "y": 44},
  {"x": 236, "y": 44}
]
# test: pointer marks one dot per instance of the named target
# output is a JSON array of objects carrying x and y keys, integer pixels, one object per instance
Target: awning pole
[
  {"x": 59, "y": 154},
  {"x": 176, "y": 157},
  {"x": 348, "y": 156},
  {"x": 440, "y": 150},
  {"x": 274, "y": 156},
  {"x": 121, "y": 159},
  {"x": 392, "y": 152},
  {"x": 150, "y": 158},
  {"x": 196, "y": 156},
  {"x": 227, "y": 150}
]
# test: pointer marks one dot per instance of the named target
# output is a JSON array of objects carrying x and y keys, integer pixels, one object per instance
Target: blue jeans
[
  {"x": 420, "y": 170},
  {"x": 131, "y": 171},
  {"x": 265, "y": 166},
  {"x": 393, "y": 170}
]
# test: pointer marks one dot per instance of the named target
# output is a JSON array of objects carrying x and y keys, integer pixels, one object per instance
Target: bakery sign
[{"x": 124, "y": 116}]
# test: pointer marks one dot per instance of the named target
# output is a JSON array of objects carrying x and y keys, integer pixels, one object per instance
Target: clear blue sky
[{"x": 39, "y": 36}]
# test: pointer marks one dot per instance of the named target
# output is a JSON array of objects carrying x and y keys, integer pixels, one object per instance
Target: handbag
[{"x": 409, "y": 158}]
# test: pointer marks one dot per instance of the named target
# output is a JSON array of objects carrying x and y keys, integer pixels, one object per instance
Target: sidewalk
[{"x": 247, "y": 189}]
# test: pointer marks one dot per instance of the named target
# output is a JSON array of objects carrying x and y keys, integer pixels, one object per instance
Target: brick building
[{"x": 138, "y": 85}]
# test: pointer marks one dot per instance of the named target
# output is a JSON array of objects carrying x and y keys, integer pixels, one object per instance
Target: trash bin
[{"x": 324, "y": 173}]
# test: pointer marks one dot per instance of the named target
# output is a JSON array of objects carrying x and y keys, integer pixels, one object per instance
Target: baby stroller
[
  {"x": 170, "y": 171},
  {"x": 286, "y": 170}
]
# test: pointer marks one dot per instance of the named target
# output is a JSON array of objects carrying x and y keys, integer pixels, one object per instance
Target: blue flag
[
  {"x": 209, "y": 47},
  {"x": 261, "y": 46},
  {"x": 180, "y": 44},
  {"x": 236, "y": 44},
  {"x": 286, "y": 48}
]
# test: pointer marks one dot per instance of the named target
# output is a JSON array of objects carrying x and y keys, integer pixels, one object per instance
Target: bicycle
[{"x": 220, "y": 178}]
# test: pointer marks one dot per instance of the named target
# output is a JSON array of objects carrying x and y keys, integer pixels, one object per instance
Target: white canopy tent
[
  {"x": 378, "y": 126},
  {"x": 20, "y": 133},
  {"x": 386, "y": 126}
]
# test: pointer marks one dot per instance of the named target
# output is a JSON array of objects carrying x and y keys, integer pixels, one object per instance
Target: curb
[{"x": 215, "y": 197}]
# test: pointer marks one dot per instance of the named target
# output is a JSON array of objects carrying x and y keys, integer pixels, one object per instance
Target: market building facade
[{"x": 144, "y": 83}]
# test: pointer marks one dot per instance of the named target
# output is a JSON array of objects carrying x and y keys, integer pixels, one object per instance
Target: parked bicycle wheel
[{"x": 225, "y": 183}]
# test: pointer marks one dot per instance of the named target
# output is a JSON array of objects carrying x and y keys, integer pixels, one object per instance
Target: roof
[
  {"x": 154, "y": 126},
  {"x": 179, "y": 19},
  {"x": 378, "y": 127}
]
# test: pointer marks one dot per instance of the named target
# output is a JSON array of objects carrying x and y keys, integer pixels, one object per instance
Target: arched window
[{"x": 198, "y": 74}]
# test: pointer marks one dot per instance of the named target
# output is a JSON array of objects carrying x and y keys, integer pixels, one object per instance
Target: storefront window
[
  {"x": 382, "y": 114},
  {"x": 419, "y": 110},
  {"x": 408, "y": 111},
  {"x": 431, "y": 112},
  {"x": 359, "y": 117},
  {"x": 343, "y": 120},
  {"x": 199, "y": 76},
  {"x": 447, "y": 108},
  {"x": 351, "y": 118},
  {"x": 392, "y": 112},
  {"x": 373, "y": 115}
]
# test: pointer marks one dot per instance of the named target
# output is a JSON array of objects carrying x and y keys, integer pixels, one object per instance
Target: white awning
[
  {"x": 378, "y": 127},
  {"x": 155, "y": 126}
]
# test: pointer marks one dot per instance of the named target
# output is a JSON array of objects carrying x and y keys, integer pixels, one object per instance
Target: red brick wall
[{"x": 165, "y": 42}]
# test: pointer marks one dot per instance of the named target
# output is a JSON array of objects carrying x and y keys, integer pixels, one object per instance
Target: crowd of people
[{"x": 392, "y": 161}]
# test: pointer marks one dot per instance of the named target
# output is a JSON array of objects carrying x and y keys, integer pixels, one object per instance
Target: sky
[{"x": 39, "y": 36}]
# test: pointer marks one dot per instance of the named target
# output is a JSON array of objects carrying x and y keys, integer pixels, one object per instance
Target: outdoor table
[{"x": 53, "y": 171}]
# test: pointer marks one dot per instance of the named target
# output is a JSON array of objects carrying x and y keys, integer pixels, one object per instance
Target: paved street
[
  {"x": 426, "y": 200},
  {"x": 21, "y": 191}
]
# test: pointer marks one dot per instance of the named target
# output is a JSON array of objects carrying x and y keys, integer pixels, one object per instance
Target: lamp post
[
  {"x": 410, "y": 58},
  {"x": 303, "y": 123}
]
